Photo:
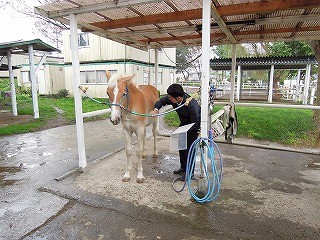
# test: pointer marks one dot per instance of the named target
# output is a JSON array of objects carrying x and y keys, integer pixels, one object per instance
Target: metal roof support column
[
  {"x": 271, "y": 83},
  {"x": 296, "y": 95},
  {"x": 33, "y": 83},
  {"x": 76, "y": 91},
  {"x": 233, "y": 71},
  {"x": 238, "y": 82},
  {"x": 206, "y": 13},
  {"x": 306, "y": 84},
  {"x": 12, "y": 86},
  {"x": 156, "y": 67}
]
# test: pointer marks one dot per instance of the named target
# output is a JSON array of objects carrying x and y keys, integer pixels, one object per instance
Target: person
[{"x": 189, "y": 113}]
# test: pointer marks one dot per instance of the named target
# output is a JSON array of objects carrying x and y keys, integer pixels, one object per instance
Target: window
[
  {"x": 93, "y": 77},
  {"x": 83, "y": 40},
  {"x": 25, "y": 77},
  {"x": 145, "y": 77}
]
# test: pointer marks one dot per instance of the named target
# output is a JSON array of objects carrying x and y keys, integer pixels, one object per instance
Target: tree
[
  {"x": 48, "y": 28},
  {"x": 188, "y": 61}
]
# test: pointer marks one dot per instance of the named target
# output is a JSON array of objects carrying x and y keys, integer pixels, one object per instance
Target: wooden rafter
[
  {"x": 226, "y": 10},
  {"x": 240, "y": 33}
]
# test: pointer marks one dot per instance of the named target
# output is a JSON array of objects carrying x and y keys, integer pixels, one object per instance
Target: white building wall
[{"x": 102, "y": 54}]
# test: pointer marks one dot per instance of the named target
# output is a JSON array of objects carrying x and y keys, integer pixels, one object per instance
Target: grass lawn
[
  {"x": 291, "y": 127},
  {"x": 48, "y": 113}
]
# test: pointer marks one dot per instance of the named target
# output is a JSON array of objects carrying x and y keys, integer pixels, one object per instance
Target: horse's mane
[{"x": 114, "y": 80}]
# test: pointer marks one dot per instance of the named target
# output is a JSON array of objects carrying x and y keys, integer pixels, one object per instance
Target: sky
[{"x": 15, "y": 26}]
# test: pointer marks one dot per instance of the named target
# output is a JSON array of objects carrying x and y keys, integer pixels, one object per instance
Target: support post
[
  {"x": 156, "y": 67},
  {"x": 233, "y": 70},
  {"x": 238, "y": 83},
  {"x": 77, "y": 96},
  {"x": 271, "y": 83},
  {"x": 306, "y": 84},
  {"x": 34, "y": 84},
  {"x": 297, "y": 92},
  {"x": 12, "y": 86},
  {"x": 206, "y": 16}
]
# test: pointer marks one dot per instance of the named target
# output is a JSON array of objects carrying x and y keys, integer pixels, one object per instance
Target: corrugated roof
[
  {"x": 22, "y": 46},
  {"x": 259, "y": 63},
  {"x": 174, "y": 23}
]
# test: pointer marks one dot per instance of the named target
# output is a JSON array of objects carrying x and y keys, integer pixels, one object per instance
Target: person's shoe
[
  {"x": 179, "y": 171},
  {"x": 183, "y": 178}
]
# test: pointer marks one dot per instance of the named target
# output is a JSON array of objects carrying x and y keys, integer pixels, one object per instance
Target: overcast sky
[{"x": 15, "y": 26}]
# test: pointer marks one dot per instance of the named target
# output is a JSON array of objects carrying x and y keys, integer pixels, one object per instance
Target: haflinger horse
[{"x": 128, "y": 104}]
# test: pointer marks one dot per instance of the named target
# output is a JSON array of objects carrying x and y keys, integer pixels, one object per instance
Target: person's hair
[{"x": 175, "y": 90}]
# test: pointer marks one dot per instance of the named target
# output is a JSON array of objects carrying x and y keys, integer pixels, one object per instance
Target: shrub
[{"x": 63, "y": 93}]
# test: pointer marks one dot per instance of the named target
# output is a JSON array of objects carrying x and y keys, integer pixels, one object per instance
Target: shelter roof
[
  {"x": 22, "y": 46},
  {"x": 174, "y": 23},
  {"x": 259, "y": 63},
  {"x": 4, "y": 67}
]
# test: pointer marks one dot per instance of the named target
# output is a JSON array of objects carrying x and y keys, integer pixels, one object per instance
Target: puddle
[
  {"x": 314, "y": 165},
  {"x": 5, "y": 171},
  {"x": 29, "y": 166}
]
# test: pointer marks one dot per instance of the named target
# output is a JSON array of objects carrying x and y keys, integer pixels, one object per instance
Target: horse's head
[{"x": 117, "y": 91}]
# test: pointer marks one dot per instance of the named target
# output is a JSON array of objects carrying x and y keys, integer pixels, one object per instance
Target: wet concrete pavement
[{"x": 265, "y": 194}]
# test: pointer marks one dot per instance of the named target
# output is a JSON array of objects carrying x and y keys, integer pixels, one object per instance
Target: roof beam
[
  {"x": 226, "y": 10},
  {"x": 266, "y": 6},
  {"x": 92, "y": 8},
  {"x": 151, "y": 19},
  {"x": 288, "y": 19},
  {"x": 278, "y": 30},
  {"x": 215, "y": 14},
  {"x": 240, "y": 33}
]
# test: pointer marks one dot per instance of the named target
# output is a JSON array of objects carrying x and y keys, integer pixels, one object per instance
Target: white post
[
  {"x": 206, "y": 13},
  {"x": 297, "y": 86},
  {"x": 306, "y": 84},
  {"x": 34, "y": 84},
  {"x": 233, "y": 71},
  {"x": 238, "y": 83},
  {"x": 271, "y": 83},
  {"x": 313, "y": 91},
  {"x": 12, "y": 86},
  {"x": 77, "y": 95},
  {"x": 156, "y": 67}
]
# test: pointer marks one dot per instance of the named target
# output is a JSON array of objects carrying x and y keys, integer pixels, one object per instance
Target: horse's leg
[
  {"x": 144, "y": 154},
  {"x": 155, "y": 131},
  {"x": 140, "y": 135},
  {"x": 128, "y": 138}
]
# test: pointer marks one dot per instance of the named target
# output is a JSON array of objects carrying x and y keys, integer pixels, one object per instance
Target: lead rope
[{"x": 84, "y": 90}]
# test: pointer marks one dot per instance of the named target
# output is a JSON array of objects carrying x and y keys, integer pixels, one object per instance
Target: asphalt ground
[{"x": 265, "y": 193}]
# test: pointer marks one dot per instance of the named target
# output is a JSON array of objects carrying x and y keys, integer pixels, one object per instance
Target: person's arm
[{"x": 159, "y": 104}]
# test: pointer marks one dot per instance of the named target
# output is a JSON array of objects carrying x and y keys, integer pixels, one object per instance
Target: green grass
[
  {"x": 47, "y": 111},
  {"x": 291, "y": 127}
]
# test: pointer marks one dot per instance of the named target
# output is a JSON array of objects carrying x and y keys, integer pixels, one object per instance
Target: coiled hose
[{"x": 212, "y": 175}]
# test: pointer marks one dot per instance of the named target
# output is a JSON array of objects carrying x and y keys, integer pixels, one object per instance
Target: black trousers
[{"x": 183, "y": 154}]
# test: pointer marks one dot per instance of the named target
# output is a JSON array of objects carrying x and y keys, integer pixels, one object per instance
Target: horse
[{"x": 128, "y": 104}]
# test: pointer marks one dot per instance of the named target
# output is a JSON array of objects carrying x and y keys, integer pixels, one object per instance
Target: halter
[{"x": 125, "y": 95}]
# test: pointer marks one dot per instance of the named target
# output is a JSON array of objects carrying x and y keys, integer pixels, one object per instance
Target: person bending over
[{"x": 189, "y": 113}]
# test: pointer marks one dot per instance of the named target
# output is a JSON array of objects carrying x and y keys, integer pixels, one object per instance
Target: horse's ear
[
  {"x": 129, "y": 78},
  {"x": 108, "y": 74}
]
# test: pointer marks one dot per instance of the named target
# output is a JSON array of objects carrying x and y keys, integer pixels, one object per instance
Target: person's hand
[{"x": 154, "y": 112}]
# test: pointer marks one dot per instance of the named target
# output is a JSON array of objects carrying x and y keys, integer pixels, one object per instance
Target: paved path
[{"x": 266, "y": 194}]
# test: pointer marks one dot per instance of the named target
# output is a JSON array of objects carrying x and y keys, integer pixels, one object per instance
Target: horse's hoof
[
  {"x": 125, "y": 179},
  {"x": 144, "y": 156},
  {"x": 140, "y": 180},
  {"x": 155, "y": 155}
]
